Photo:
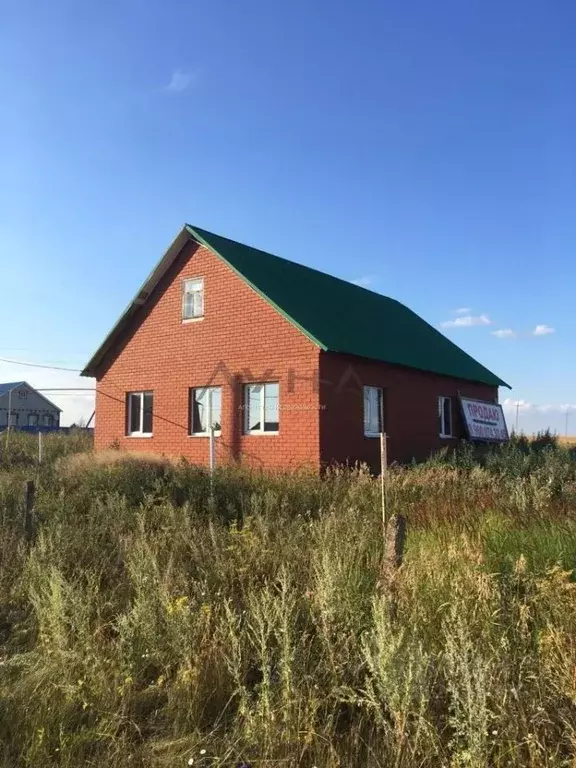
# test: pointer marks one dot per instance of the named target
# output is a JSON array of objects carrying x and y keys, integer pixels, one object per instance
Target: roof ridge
[
  {"x": 192, "y": 228},
  {"x": 335, "y": 314}
]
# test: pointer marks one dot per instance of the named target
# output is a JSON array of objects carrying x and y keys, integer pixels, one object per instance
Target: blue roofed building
[{"x": 23, "y": 407}]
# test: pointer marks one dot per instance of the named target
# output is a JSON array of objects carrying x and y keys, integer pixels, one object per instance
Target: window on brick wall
[
  {"x": 193, "y": 298},
  {"x": 261, "y": 408},
  {"x": 205, "y": 410},
  {"x": 445, "y": 417},
  {"x": 139, "y": 411},
  {"x": 373, "y": 411}
]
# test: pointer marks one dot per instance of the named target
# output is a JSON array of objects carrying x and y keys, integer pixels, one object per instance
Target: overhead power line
[
  {"x": 40, "y": 365},
  {"x": 65, "y": 389}
]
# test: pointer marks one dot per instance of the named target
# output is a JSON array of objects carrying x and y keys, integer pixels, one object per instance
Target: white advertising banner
[{"x": 484, "y": 421}]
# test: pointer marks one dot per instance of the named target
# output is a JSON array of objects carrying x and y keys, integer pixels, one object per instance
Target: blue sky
[{"x": 426, "y": 149}]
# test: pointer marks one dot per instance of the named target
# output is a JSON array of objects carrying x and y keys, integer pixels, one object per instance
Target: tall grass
[{"x": 161, "y": 616}]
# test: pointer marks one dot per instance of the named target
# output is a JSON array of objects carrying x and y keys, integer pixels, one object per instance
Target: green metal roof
[{"x": 343, "y": 317}]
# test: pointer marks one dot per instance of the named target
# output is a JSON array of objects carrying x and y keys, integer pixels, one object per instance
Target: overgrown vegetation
[{"x": 160, "y": 617}]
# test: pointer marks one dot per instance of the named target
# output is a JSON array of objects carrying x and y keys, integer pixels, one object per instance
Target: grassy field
[
  {"x": 161, "y": 619},
  {"x": 567, "y": 440}
]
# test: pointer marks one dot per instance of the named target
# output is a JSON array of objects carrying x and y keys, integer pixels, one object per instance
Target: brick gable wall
[{"x": 241, "y": 339}]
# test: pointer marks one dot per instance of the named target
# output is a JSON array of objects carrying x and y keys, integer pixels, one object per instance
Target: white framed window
[
  {"x": 48, "y": 420},
  {"x": 205, "y": 410},
  {"x": 373, "y": 412},
  {"x": 445, "y": 416},
  {"x": 22, "y": 394},
  {"x": 139, "y": 412},
  {"x": 261, "y": 408},
  {"x": 14, "y": 418},
  {"x": 32, "y": 419},
  {"x": 193, "y": 298}
]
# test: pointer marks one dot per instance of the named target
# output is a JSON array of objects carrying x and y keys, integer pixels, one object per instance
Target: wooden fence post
[
  {"x": 383, "y": 470},
  {"x": 394, "y": 542},
  {"x": 29, "y": 498}
]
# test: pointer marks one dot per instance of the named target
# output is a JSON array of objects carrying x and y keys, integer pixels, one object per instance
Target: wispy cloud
[
  {"x": 364, "y": 282},
  {"x": 504, "y": 333},
  {"x": 462, "y": 311},
  {"x": 181, "y": 80},
  {"x": 542, "y": 330},
  {"x": 466, "y": 321},
  {"x": 565, "y": 408},
  {"x": 512, "y": 405},
  {"x": 524, "y": 405},
  {"x": 546, "y": 408}
]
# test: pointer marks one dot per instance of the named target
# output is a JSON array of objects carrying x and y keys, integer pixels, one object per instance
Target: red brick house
[{"x": 291, "y": 366}]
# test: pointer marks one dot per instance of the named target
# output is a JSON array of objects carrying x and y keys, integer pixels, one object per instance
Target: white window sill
[
  {"x": 140, "y": 434},
  {"x": 447, "y": 437},
  {"x": 186, "y": 320},
  {"x": 204, "y": 434},
  {"x": 371, "y": 434},
  {"x": 260, "y": 434}
]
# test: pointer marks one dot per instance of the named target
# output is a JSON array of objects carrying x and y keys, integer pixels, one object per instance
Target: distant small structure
[{"x": 23, "y": 407}]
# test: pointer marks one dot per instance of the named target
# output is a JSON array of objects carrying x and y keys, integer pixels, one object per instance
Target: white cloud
[
  {"x": 542, "y": 330},
  {"x": 534, "y": 418},
  {"x": 180, "y": 81},
  {"x": 466, "y": 321},
  {"x": 462, "y": 311},
  {"x": 504, "y": 333},
  {"x": 512, "y": 405},
  {"x": 363, "y": 282}
]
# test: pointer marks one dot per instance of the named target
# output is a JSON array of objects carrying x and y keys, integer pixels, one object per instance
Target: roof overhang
[
  {"x": 138, "y": 301},
  {"x": 186, "y": 235}
]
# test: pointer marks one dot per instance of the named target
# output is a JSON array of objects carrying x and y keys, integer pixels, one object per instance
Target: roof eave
[
  {"x": 199, "y": 239},
  {"x": 493, "y": 381},
  {"x": 139, "y": 299},
  {"x": 40, "y": 394}
]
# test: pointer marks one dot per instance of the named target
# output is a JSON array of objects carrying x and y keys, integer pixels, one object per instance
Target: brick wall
[
  {"x": 410, "y": 404},
  {"x": 241, "y": 339}
]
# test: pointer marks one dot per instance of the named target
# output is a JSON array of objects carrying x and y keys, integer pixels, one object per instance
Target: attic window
[{"x": 193, "y": 299}]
